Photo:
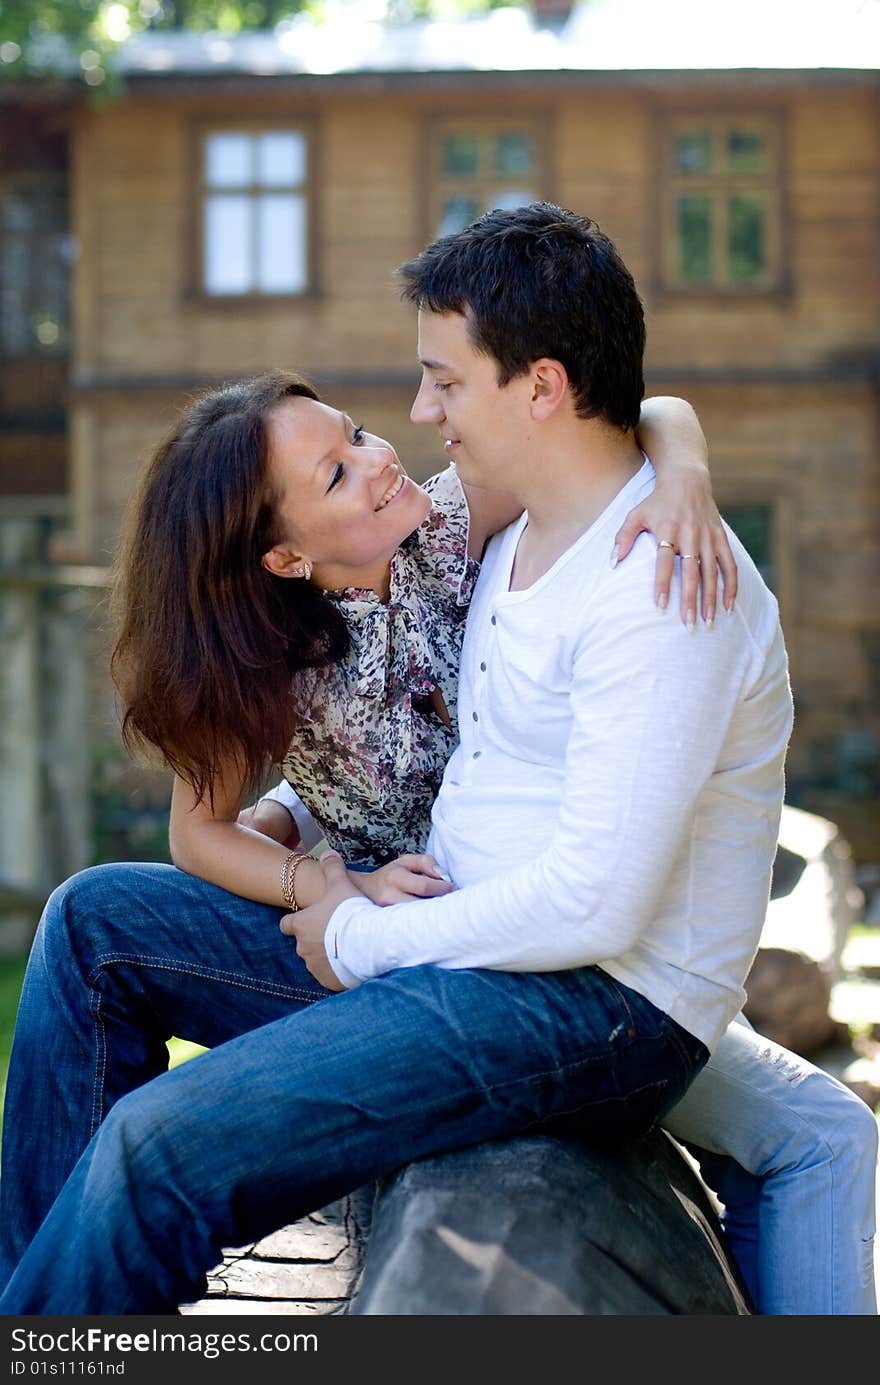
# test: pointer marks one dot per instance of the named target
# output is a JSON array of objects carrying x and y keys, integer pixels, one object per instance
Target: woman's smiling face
[{"x": 343, "y": 501}]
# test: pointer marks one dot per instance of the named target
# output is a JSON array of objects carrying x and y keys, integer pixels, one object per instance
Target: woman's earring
[{"x": 306, "y": 570}]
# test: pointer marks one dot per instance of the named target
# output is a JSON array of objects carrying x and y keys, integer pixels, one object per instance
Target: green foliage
[
  {"x": 38, "y": 37},
  {"x": 11, "y": 977},
  {"x": 130, "y": 816},
  {"x": 45, "y": 36},
  {"x": 181, "y": 1050}
]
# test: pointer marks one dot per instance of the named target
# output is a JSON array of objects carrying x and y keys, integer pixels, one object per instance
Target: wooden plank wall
[{"x": 783, "y": 382}]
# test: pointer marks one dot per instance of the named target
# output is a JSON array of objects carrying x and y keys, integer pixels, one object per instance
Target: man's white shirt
[{"x": 616, "y": 793}]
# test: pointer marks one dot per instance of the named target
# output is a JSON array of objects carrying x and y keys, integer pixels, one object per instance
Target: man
[
  {"x": 614, "y": 800},
  {"x": 642, "y": 764},
  {"x": 614, "y": 748}
]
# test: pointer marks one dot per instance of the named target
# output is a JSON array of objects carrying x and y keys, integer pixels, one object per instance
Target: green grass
[
  {"x": 11, "y": 977},
  {"x": 863, "y": 930}
]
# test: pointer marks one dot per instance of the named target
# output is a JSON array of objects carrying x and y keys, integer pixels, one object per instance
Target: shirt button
[
  {"x": 477, "y": 754},
  {"x": 482, "y": 668},
  {"x": 494, "y": 621},
  {"x": 476, "y": 718}
]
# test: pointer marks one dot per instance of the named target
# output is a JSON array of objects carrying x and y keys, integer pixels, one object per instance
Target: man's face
[{"x": 484, "y": 426}]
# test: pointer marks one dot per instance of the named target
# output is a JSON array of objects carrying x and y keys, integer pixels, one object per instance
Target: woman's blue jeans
[
  {"x": 792, "y": 1153},
  {"x": 123, "y": 1181}
]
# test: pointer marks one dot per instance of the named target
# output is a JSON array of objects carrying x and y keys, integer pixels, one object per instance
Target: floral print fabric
[{"x": 371, "y": 749}]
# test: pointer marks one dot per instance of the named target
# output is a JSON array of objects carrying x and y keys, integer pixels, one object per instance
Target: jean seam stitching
[
  {"x": 99, "y": 1030},
  {"x": 661, "y": 1085},
  {"x": 208, "y": 973},
  {"x": 614, "y": 986},
  {"x": 100, "y": 1039},
  {"x": 689, "y": 1059},
  {"x": 566, "y": 1069}
]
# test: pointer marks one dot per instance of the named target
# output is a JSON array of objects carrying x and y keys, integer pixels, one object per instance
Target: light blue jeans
[
  {"x": 122, "y": 1181},
  {"x": 799, "y": 1185}
]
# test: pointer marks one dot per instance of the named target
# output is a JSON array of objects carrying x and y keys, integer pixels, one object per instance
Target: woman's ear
[
  {"x": 549, "y": 386},
  {"x": 283, "y": 561}
]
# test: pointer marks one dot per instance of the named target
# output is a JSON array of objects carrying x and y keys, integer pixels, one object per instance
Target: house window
[
  {"x": 753, "y": 526},
  {"x": 722, "y": 217},
  {"x": 36, "y": 250},
  {"x": 475, "y": 167},
  {"x": 254, "y": 221}
]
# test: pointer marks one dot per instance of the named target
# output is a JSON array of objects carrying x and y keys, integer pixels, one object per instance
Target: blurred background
[{"x": 191, "y": 191}]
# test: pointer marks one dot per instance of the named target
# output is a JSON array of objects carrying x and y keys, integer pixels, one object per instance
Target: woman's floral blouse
[{"x": 370, "y": 752}]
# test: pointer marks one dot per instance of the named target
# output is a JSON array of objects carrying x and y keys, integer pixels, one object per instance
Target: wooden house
[{"x": 242, "y": 202}]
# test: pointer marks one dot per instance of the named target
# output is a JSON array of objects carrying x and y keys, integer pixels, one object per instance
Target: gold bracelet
[{"x": 289, "y": 868}]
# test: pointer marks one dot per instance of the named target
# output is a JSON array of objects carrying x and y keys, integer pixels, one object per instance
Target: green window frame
[
  {"x": 722, "y": 219},
  {"x": 754, "y": 526},
  {"x": 36, "y": 258},
  {"x": 479, "y": 164}
]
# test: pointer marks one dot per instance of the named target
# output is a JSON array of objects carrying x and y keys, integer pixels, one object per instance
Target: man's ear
[
  {"x": 549, "y": 387},
  {"x": 284, "y": 561}
]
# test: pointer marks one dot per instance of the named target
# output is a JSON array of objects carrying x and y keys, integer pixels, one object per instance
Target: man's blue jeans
[{"x": 146, "y": 1174}]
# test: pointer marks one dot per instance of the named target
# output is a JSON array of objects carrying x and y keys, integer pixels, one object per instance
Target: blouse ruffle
[
  {"x": 396, "y": 642},
  {"x": 370, "y": 752}
]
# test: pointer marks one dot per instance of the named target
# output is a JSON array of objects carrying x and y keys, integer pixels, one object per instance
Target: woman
[{"x": 263, "y": 501}]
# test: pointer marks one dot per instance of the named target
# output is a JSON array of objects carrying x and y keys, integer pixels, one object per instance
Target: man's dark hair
[{"x": 542, "y": 281}]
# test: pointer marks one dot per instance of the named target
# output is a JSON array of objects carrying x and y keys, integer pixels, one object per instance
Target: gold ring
[
  {"x": 691, "y": 555},
  {"x": 664, "y": 543}
]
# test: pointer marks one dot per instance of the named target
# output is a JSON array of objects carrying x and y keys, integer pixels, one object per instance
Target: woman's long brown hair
[{"x": 208, "y": 640}]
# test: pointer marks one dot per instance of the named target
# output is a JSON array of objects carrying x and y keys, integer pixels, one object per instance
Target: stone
[
  {"x": 308, "y": 1267},
  {"x": 268, "y": 1279},
  {"x": 548, "y": 1225},
  {"x": 303, "y": 1240},
  {"x": 814, "y": 902},
  {"x": 248, "y": 1307},
  {"x": 862, "y": 1076},
  {"x": 788, "y": 999},
  {"x": 814, "y": 897}
]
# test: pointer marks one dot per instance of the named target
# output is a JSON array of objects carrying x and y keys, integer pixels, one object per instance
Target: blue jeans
[
  {"x": 123, "y": 1181},
  {"x": 792, "y": 1154}
]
